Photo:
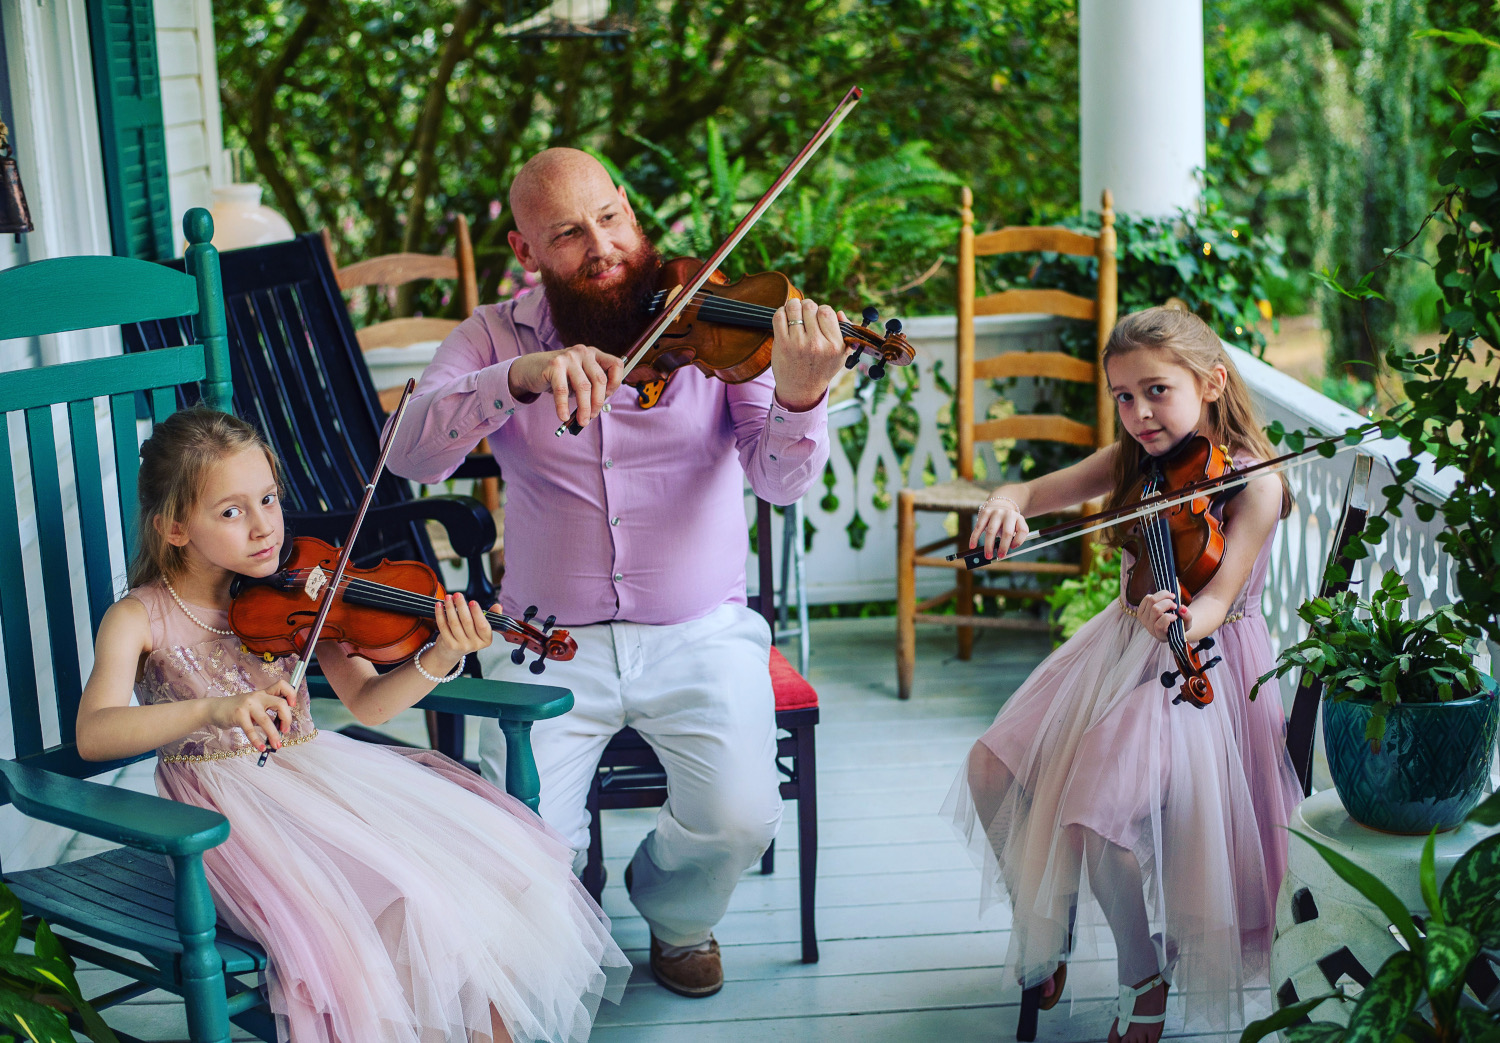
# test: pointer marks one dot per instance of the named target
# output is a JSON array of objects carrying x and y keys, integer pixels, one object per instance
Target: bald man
[{"x": 633, "y": 533}]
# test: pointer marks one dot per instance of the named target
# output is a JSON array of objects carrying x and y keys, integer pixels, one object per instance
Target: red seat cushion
[{"x": 792, "y": 689}]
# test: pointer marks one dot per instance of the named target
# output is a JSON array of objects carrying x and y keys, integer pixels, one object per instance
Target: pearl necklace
[{"x": 189, "y": 613}]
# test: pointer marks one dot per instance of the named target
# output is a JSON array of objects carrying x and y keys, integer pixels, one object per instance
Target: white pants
[{"x": 700, "y": 694}]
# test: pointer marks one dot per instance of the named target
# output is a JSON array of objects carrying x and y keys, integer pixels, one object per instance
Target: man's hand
[
  {"x": 807, "y": 352},
  {"x": 587, "y": 374}
]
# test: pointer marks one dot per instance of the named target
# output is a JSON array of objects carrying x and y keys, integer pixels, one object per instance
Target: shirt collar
[{"x": 532, "y": 310}]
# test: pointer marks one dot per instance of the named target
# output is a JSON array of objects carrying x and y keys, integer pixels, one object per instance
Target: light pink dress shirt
[{"x": 642, "y": 516}]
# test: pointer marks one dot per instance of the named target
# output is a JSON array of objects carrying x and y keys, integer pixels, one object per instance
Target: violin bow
[
  {"x": 1054, "y": 534},
  {"x": 677, "y": 305},
  {"x": 331, "y": 590}
]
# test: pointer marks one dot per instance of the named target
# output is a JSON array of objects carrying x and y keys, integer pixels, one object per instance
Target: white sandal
[{"x": 1126, "y": 1016}]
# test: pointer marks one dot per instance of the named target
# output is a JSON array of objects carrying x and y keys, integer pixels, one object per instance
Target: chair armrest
[
  {"x": 470, "y": 526},
  {"x": 482, "y": 466},
  {"x": 503, "y": 700},
  {"x": 122, "y": 816}
]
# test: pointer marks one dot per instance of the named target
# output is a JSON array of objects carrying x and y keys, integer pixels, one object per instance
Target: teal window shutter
[{"x": 127, "y": 81}]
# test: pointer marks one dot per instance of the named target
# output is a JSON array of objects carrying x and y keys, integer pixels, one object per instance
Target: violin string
[
  {"x": 1162, "y": 570},
  {"x": 759, "y": 313},
  {"x": 379, "y": 595}
]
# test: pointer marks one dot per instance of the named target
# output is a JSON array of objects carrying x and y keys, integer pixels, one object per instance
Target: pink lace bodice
[{"x": 188, "y": 662}]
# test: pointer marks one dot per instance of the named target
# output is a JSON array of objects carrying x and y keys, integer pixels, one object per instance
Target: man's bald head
[{"x": 556, "y": 183}]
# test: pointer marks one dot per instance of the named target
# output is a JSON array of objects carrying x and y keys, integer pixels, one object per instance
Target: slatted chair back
[
  {"x": 1101, "y": 310},
  {"x": 104, "y": 407},
  {"x": 299, "y": 377},
  {"x": 394, "y": 271}
]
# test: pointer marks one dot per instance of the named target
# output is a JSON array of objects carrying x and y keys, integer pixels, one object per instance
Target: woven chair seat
[{"x": 957, "y": 495}]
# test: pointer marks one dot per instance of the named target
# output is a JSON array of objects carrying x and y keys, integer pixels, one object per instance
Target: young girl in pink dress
[
  {"x": 1093, "y": 793},
  {"x": 401, "y": 898}
]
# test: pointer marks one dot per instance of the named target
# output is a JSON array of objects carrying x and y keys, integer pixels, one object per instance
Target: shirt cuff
[
  {"x": 496, "y": 403},
  {"x": 785, "y": 424}
]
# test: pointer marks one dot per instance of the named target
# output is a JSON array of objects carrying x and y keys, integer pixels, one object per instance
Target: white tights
[{"x": 1114, "y": 872}]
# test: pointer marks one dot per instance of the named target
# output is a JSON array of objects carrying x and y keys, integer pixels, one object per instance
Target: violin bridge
[{"x": 317, "y": 579}]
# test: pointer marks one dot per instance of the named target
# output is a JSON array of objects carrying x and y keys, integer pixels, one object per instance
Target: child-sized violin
[
  {"x": 384, "y": 614},
  {"x": 1179, "y": 549},
  {"x": 726, "y": 330}
]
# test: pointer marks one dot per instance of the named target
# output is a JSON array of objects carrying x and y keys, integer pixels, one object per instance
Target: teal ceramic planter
[{"x": 1431, "y": 768}]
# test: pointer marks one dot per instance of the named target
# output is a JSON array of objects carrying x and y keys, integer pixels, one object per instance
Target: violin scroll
[{"x": 541, "y": 640}]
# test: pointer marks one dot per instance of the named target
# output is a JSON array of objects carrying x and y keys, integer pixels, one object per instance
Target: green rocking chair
[{"x": 148, "y": 898}]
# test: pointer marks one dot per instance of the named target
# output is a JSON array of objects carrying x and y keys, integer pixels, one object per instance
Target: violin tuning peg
[
  {"x": 871, "y": 315},
  {"x": 1169, "y": 678},
  {"x": 1215, "y": 661},
  {"x": 877, "y": 371},
  {"x": 547, "y": 623},
  {"x": 852, "y": 360},
  {"x": 1205, "y": 644},
  {"x": 893, "y": 326},
  {"x": 538, "y": 665},
  {"x": 529, "y": 614},
  {"x": 517, "y": 656}
]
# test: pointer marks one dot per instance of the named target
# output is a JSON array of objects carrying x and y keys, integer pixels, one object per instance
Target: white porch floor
[{"x": 904, "y": 955}]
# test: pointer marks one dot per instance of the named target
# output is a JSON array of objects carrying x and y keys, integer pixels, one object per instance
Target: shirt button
[
  {"x": 615, "y": 520},
  {"x": 499, "y": 404},
  {"x": 453, "y": 433},
  {"x": 508, "y": 412},
  {"x": 619, "y": 576},
  {"x": 609, "y": 463},
  {"x": 778, "y": 419}
]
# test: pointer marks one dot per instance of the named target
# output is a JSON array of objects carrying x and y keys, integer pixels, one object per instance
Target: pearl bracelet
[
  {"x": 416, "y": 661},
  {"x": 1014, "y": 505}
]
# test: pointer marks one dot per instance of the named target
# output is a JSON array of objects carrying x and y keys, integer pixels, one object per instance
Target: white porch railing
[{"x": 838, "y": 571}]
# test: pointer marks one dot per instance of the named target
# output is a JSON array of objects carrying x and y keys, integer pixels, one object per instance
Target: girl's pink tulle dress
[
  {"x": 1091, "y": 747},
  {"x": 398, "y": 894}
]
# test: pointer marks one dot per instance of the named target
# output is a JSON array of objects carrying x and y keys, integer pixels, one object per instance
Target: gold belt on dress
[{"x": 194, "y": 758}]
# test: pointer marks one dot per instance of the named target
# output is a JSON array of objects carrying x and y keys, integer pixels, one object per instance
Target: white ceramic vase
[{"x": 241, "y": 220}]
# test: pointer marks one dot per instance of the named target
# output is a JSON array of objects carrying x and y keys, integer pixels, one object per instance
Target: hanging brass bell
[{"x": 15, "y": 215}]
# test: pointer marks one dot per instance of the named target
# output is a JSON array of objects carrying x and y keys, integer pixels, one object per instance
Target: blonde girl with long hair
[
  {"x": 402, "y": 899},
  {"x": 1092, "y": 796}
]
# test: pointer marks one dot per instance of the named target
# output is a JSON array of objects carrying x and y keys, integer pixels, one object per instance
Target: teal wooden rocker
[{"x": 149, "y": 897}]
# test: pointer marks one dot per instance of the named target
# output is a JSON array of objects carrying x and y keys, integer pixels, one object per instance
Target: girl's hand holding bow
[
  {"x": 1001, "y": 525},
  {"x": 1156, "y": 612},
  {"x": 263, "y": 716}
]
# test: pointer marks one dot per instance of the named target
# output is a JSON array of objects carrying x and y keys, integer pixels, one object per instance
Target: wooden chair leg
[
  {"x": 204, "y": 999},
  {"x": 593, "y": 870},
  {"x": 1031, "y": 1003},
  {"x": 521, "y": 779},
  {"x": 964, "y": 602},
  {"x": 906, "y": 592},
  {"x": 768, "y": 860},
  {"x": 807, "y": 839}
]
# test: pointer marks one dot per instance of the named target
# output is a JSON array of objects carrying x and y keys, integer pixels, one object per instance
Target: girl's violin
[
  {"x": 384, "y": 614},
  {"x": 726, "y": 330},
  {"x": 1179, "y": 549}
]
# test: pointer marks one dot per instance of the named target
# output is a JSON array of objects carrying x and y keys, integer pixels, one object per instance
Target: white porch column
[{"x": 1141, "y": 103}]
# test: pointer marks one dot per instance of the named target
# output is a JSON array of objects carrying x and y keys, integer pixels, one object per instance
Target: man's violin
[
  {"x": 384, "y": 614},
  {"x": 726, "y": 330}
]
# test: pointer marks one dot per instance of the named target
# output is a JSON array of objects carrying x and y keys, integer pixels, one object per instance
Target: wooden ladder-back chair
[
  {"x": 394, "y": 270},
  {"x": 963, "y": 494}
]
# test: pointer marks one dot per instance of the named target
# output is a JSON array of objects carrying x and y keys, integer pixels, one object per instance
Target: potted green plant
[
  {"x": 39, "y": 990},
  {"x": 1408, "y": 721},
  {"x": 1462, "y": 926}
]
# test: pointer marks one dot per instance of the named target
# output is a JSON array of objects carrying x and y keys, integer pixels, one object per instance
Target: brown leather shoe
[{"x": 693, "y": 974}]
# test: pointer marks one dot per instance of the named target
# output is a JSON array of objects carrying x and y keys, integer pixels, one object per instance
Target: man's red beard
[{"x": 608, "y": 317}]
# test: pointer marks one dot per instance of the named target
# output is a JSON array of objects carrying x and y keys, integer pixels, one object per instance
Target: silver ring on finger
[{"x": 795, "y": 322}]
